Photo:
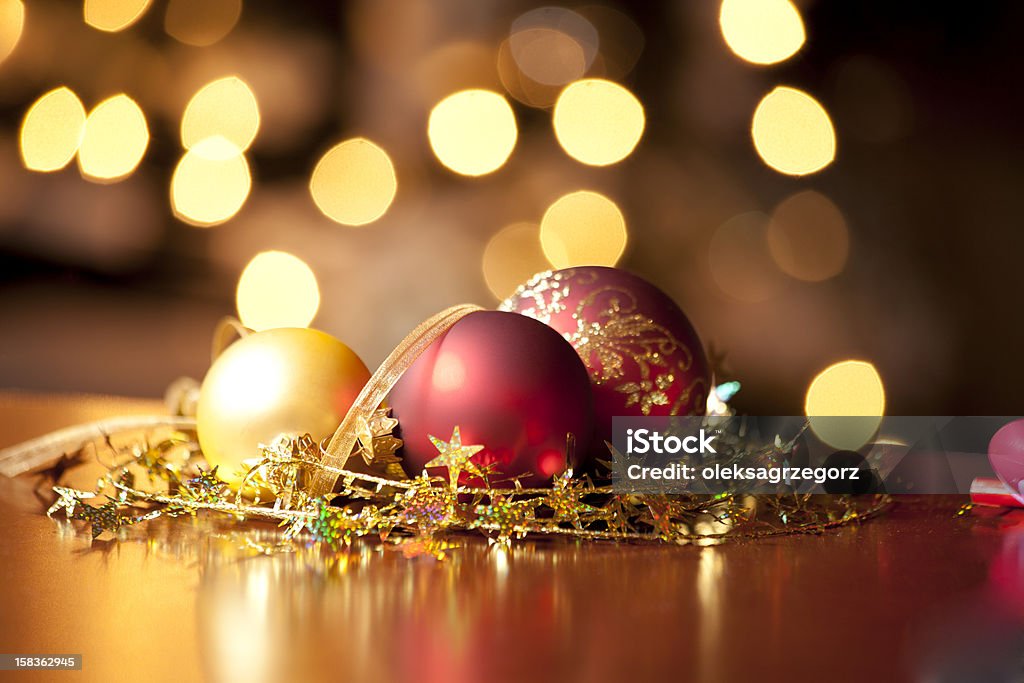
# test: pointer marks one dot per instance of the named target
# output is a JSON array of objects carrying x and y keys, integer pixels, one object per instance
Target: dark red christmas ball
[
  {"x": 640, "y": 350},
  {"x": 511, "y": 385}
]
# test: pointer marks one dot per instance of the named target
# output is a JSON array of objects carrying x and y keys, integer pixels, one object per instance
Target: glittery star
[
  {"x": 377, "y": 445},
  {"x": 336, "y": 526},
  {"x": 206, "y": 488},
  {"x": 425, "y": 507},
  {"x": 67, "y": 500},
  {"x": 564, "y": 499},
  {"x": 662, "y": 518},
  {"x": 505, "y": 516},
  {"x": 455, "y": 457},
  {"x": 102, "y": 518}
]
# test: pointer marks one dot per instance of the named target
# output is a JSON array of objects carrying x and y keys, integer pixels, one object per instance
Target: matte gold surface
[{"x": 903, "y": 598}]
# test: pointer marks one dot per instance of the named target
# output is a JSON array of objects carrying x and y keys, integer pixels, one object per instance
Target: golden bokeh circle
[
  {"x": 115, "y": 139},
  {"x": 354, "y": 182},
  {"x": 598, "y": 122},
  {"x": 583, "y": 228},
  {"x": 793, "y": 133},
  {"x": 12, "y": 23},
  {"x": 277, "y": 289},
  {"x": 52, "y": 130},
  {"x": 843, "y": 391},
  {"x": 113, "y": 15},
  {"x": 210, "y": 183},
  {"x": 472, "y": 132},
  {"x": 225, "y": 107},
  {"x": 762, "y": 31}
]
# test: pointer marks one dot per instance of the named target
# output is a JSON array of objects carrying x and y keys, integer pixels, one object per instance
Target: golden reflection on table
[{"x": 900, "y": 598}]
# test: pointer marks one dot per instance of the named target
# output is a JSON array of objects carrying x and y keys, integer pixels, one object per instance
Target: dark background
[{"x": 103, "y": 290}]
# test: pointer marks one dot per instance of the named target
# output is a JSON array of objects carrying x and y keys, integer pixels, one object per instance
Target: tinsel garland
[{"x": 425, "y": 513}]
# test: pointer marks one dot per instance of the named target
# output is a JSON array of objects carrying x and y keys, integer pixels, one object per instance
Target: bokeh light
[
  {"x": 511, "y": 257},
  {"x": 808, "y": 237},
  {"x": 740, "y": 262},
  {"x": 519, "y": 85},
  {"x": 201, "y": 22},
  {"x": 583, "y": 229},
  {"x": 354, "y": 183},
  {"x": 210, "y": 183},
  {"x": 553, "y": 45},
  {"x": 226, "y": 107},
  {"x": 114, "y": 15},
  {"x": 621, "y": 40},
  {"x": 793, "y": 133},
  {"x": 762, "y": 31},
  {"x": 598, "y": 122},
  {"x": 472, "y": 132},
  {"x": 114, "y": 141},
  {"x": 548, "y": 56},
  {"x": 277, "y": 289},
  {"x": 850, "y": 388},
  {"x": 12, "y": 21},
  {"x": 52, "y": 130}
]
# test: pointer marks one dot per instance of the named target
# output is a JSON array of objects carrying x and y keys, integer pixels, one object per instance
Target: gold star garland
[{"x": 422, "y": 514}]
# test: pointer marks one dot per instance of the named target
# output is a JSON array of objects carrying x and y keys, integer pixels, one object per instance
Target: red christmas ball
[
  {"x": 510, "y": 384},
  {"x": 640, "y": 350}
]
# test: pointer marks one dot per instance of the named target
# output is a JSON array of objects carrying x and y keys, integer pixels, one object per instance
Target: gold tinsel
[{"x": 423, "y": 513}]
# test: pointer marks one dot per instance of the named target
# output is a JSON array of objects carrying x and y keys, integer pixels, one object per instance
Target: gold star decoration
[
  {"x": 455, "y": 457},
  {"x": 506, "y": 516},
  {"x": 67, "y": 500},
  {"x": 663, "y": 516},
  {"x": 425, "y": 507},
  {"x": 377, "y": 445},
  {"x": 337, "y": 526},
  {"x": 102, "y": 518},
  {"x": 207, "y": 487},
  {"x": 564, "y": 499}
]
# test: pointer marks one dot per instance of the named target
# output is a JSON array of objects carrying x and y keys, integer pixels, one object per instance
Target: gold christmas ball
[{"x": 284, "y": 381}]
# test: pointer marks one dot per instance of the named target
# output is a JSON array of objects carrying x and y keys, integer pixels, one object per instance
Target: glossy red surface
[{"x": 920, "y": 594}]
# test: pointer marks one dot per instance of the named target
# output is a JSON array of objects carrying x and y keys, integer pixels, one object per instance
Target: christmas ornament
[
  {"x": 277, "y": 382},
  {"x": 510, "y": 384},
  {"x": 416, "y": 515},
  {"x": 641, "y": 352},
  {"x": 1006, "y": 455}
]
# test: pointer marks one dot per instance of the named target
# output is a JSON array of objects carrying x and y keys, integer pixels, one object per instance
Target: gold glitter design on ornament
[{"x": 610, "y": 333}]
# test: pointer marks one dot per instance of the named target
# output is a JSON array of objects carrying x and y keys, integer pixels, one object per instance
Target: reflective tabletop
[{"x": 919, "y": 594}]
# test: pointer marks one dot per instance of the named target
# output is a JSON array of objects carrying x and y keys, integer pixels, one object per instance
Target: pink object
[
  {"x": 1006, "y": 455},
  {"x": 641, "y": 352},
  {"x": 511, "y": 384},
  {"x": 993, "y": 492}
]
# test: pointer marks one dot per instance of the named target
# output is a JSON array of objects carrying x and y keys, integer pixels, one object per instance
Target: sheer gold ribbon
[
  {"x": 44, "y": 450},
  {"x": 228, "y": 331},
  {"x": 373, "y": 394}
]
